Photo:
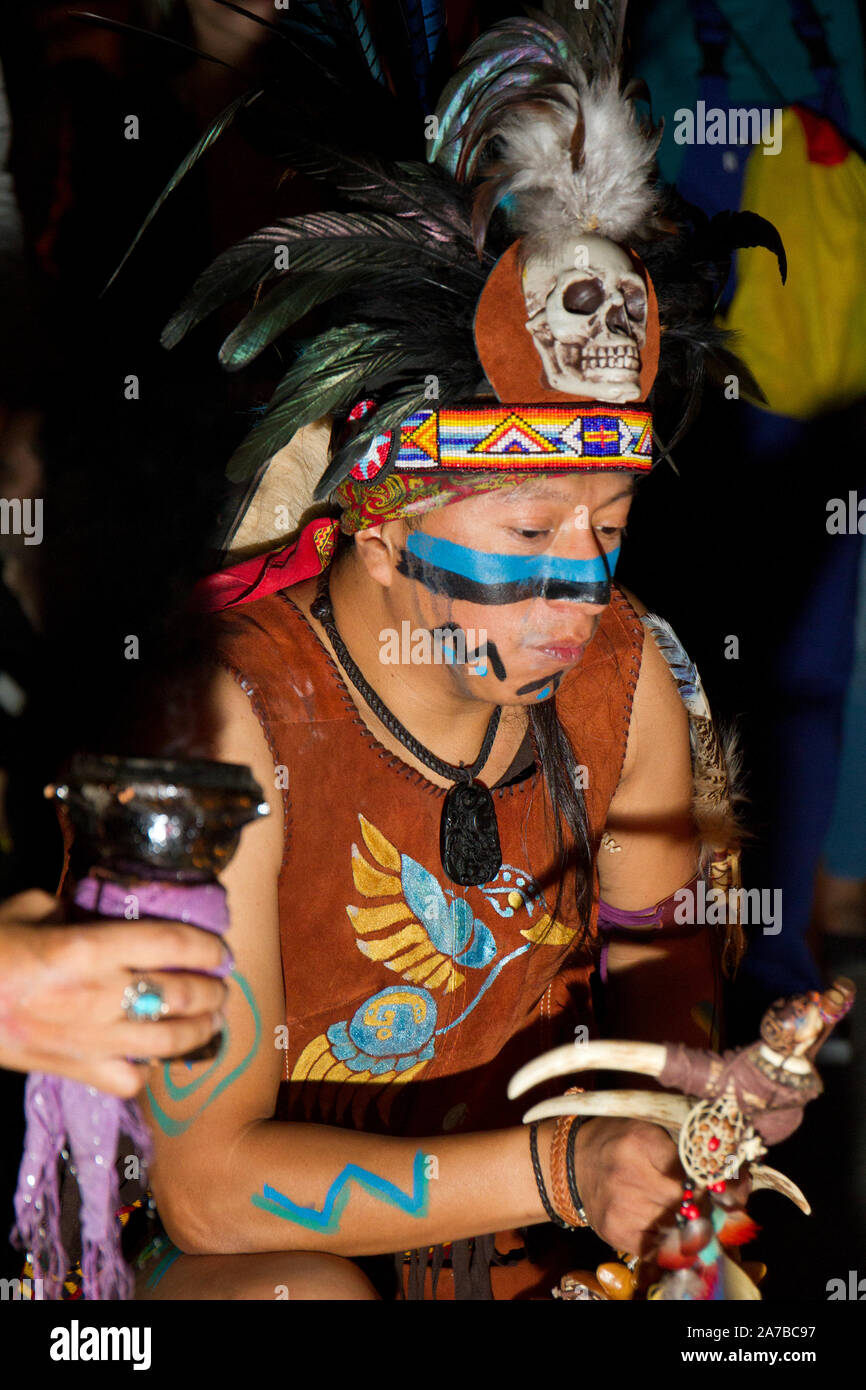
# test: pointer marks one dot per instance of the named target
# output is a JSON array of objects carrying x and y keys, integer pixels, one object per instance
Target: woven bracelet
[
  {"x": 563, "y": 1188},
  {"x": 552, "y": 1214}
]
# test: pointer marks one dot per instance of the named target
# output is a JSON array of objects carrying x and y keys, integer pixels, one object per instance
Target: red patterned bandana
[
  {"x": 409, "y": 494},
  {"x": 365, "y": 504}
]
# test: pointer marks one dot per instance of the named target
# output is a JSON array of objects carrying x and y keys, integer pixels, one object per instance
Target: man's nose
[
  {"x": 571, "y": 607},
  {"x": 584, "y": 546}
]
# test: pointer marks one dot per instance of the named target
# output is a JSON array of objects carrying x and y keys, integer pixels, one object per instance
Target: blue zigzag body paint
[
  {"x": 415, "y": 1203},
  {"x": 481, "y": 576}
]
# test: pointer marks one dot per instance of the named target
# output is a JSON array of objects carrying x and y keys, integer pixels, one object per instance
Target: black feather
[
  {"x": 216, "y": 128},
  {"x": 315, "y": 242}
]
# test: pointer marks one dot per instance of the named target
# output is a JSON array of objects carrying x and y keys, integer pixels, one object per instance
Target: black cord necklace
[{"x": 468, "y": 834}]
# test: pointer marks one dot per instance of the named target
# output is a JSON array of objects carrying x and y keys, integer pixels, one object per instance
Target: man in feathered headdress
[{"x": 476, "y": 757}]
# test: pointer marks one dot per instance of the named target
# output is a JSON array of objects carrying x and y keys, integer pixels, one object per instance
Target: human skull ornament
[{"x": 588, "y": 317}]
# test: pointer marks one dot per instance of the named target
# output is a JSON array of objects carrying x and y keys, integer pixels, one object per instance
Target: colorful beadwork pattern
[
  {"x": 374, "y": 458},
  {"x": 527, "y": 437}
]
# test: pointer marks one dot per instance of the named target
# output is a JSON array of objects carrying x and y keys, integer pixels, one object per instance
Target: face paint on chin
[
  {"x": 520, "y": 620},
  {"x": 549, "y": 685}
]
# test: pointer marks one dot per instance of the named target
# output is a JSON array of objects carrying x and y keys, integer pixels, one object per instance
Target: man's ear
[{"x": 378, "y": 549}]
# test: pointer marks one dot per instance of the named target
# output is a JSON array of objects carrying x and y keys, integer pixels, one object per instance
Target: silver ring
[{"x": 143, "y": 1001}]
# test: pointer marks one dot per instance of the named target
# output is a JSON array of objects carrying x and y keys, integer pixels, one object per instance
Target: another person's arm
[{"x": 61, "y": 989}]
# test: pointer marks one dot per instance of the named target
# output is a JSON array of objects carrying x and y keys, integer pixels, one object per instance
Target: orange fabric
[{"x": 342, "y": 910}]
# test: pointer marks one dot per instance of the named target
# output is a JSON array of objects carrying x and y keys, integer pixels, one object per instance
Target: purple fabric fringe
[{"x": 63, "y": 1114}]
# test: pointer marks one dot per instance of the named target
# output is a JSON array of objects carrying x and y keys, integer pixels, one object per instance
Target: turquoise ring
[{"x": 144, "y": 1001}]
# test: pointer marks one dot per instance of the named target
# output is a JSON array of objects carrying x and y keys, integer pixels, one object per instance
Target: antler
[
  {"x": 647, "y": 1059},
  {"x": 668, "y": 1111}
]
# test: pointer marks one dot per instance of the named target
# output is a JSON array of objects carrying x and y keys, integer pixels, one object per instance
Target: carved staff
[{"x": 727, "y": 1109}]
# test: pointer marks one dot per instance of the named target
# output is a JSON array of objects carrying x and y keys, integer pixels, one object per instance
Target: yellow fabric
[{"x": 805, "y": 342}]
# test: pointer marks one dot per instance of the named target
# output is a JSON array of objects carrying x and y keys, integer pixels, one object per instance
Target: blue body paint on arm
[
  {"x": 173, "y": 1127},
  {"x": 327, "y": 1219}
]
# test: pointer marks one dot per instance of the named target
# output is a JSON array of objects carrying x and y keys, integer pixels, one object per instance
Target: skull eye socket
[
  {"x": 634, "y": 297},
  {"x": 583, "y": 296}
]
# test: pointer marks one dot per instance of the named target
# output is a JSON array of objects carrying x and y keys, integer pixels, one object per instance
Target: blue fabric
[
  {"x": 845, "y": 846},
  {"x": 667, "y": 56},
  {"x": 810, "y": 680}
]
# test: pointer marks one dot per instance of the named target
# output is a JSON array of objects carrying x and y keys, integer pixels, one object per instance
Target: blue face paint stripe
[
  {"x": 486, "y": 567},
  {"x": 416, "y": 1203}
]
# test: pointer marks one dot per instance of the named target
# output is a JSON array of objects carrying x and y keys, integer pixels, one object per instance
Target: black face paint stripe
[
  {"x": 540, "y": 684},
  {"x": 487, "y": 650},
  {"x": 458, "y": 586}
]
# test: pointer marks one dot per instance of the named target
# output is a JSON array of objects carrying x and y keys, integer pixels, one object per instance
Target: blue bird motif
[{"x": 429, "y": 934}]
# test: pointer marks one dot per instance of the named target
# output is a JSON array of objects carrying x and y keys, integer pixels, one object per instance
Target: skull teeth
[{"x": 622, "y": 356}]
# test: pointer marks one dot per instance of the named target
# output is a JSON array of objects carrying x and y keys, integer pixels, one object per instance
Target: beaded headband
[{"x": 526, "y": 438}]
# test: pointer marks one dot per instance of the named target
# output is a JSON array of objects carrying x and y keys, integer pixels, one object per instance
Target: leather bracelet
[
  {"x": 566, "y": 1198},
  {"x": 552, "y": 1215},
  {"x": 569, "y": 1169}
]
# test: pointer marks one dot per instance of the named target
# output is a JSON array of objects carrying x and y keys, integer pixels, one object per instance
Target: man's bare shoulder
[{"x": 239, "y": 737}]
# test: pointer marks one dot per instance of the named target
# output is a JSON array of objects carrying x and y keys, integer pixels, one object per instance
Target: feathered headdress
[
  {"x": 571, "y": 153},
  {"x": 530, "y": 259}
]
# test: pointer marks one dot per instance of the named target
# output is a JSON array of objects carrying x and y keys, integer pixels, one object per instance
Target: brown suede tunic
[{"x": 410, "y": 1000}]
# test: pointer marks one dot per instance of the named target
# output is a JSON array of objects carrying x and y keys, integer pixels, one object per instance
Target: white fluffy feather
[{"x": 609, "y": 194}]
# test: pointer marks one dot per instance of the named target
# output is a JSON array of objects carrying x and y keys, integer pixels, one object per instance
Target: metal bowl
[{"x": 164, "y": 818}]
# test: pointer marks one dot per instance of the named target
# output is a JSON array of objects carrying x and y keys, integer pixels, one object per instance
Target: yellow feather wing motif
[
  {"x": 548, "y": 932},
  {"x": 381, "y": 849},
  {"x": 409, "y": 952},
  {"x": 369, "y": 881}
]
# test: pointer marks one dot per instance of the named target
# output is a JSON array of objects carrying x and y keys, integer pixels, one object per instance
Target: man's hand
[
  {"x": 61, "y": 989},
  {"x": 630, "y": 1180}
]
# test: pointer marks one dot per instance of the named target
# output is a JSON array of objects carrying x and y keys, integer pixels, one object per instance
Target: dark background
[{"x": 733, "y": 544}]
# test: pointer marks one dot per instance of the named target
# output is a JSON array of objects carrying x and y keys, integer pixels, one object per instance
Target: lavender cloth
[
  {"x": 67, "y": 1114},
  {"x": 644, "y": 919}
]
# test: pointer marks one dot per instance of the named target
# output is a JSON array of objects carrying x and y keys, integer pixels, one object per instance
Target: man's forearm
[{"x": 316, "y": 1187}]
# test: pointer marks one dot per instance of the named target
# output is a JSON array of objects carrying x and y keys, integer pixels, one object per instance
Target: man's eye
[
  {"x": 527, "y": 535},
  {"x": 610, "y": 530}
]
